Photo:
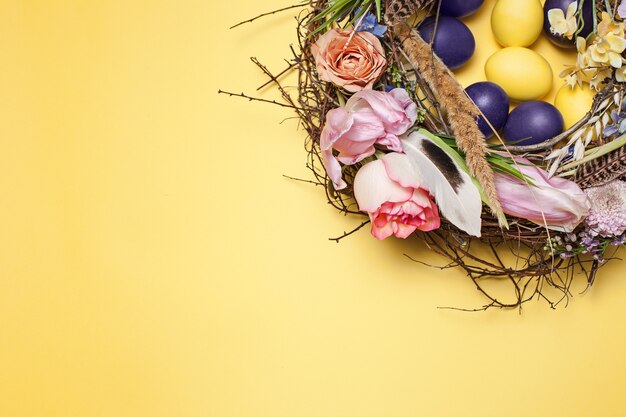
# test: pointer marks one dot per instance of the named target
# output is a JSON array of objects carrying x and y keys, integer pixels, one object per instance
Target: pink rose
[
  {"x": 556, "y": 202},
  {"x": 348, "y": 59},
  {"x": 389, "y": 190},
  {"x": 369, "y": 118}
]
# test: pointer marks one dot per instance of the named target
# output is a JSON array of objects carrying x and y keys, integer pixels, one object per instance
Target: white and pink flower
[{"x": 389, "y": 190}]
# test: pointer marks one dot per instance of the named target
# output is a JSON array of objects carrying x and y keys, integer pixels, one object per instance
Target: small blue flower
[
  {"x": 370, "y": 24},
  {"x": 618, "y": 126}
]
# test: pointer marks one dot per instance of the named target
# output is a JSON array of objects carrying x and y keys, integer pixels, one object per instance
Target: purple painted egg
[
  {"x": 493, "y": 102},
  {"x": 560, "y": 40},
  {"x": 533, "y": 122},
  {"x": 454, "y": 42},
  {"x": 460, "y": 8}
]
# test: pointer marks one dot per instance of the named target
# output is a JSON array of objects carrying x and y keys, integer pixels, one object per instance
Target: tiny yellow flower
[
  {"x": 608, "y": 25},
  {"x": 572, "y": 80},
  {"x": 608, "y": 50},
  {"x": 597, "y": 82}
]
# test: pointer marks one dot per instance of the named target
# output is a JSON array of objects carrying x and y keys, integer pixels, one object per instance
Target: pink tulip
[
  {"x": 369, "y": 118},
  {"x": 389, "y": 190},
  {"x": 556, "y": 202}
]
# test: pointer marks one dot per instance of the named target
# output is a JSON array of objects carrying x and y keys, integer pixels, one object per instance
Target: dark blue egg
[
  {"x": 454, "y": 42},
  {"x": 560, "y": 40},
  {"x": 459, "y": 8},
  {"x": 533, "y": 122},
  {"x": 491, "y": 99}
]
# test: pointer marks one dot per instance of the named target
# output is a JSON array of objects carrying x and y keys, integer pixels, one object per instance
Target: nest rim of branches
[{"x": 536, "y": 268}]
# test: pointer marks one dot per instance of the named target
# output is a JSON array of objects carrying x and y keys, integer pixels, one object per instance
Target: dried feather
[
  {"x": 602, "y": 170},
  {"x": 456, "y": 195},
  {"x": 399, "y": 11}
]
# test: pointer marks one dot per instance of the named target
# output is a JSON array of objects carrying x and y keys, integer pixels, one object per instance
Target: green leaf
[
  {"x": 339, "y": 9},
  {"x": 378, "y": 10}
]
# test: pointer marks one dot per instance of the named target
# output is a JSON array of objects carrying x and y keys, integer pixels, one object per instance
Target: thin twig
[{"x": 295, "y": 6}]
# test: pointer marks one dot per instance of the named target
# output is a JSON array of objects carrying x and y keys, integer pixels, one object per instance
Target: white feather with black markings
[{"x": 457, "y": 197}]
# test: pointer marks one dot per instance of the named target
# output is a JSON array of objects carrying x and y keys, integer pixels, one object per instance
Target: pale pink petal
[
  {"x": 432, "y": 222},
  {"x": 391, "y": 142},
  {"x": 555, "y": 202},
  {"x": 431, "y": 212},
  {"x": 404, "y": 230},
  {"x": 353, "y": 158},
  {"x": 338, "y": 122},
  {"x": 366, "y": 126},
  {"x": 350, "y": 149},
  {"x": 333, "y": 169},
  {"x": 380, "y": 230},
  {"x": 373, "y": 187},
  {"x": 400, "y": 169},
  {"x": 409, "y": 106},
  {"x": 390, "y": 111},
  {"x": 422, "y": 198}
]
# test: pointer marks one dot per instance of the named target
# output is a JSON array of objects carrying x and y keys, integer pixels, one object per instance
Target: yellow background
[{"x": 154, "y": 262}]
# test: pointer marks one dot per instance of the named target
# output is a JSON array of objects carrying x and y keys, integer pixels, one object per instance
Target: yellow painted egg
[
  {"x": 574, "y": 103},
  {"x": 522, "y": 73},
  {"x": 517, "y": 22}
]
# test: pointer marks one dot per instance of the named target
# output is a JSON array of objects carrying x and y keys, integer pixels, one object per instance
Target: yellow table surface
[{"x": 154, "y": 261}]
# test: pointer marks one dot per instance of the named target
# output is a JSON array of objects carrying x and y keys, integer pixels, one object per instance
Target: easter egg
[
  {"x": 492, "y": 102},
  {"x": 454, "y": 42},
  {"x": 561, "y": 40},
  {"x": 517, "y": 22},
  {"x": 459, "y": 8},
  {"x": 533, "y": 122},
  {"x": 574, "y": 103},
  {"x": 521, "y": 72}
]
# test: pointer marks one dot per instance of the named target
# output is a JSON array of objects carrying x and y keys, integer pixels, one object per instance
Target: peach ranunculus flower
[
  {"x": 348, "y": 59},
  {"x": 369, "y": 118},
  {"x": 389, "y": 190}
]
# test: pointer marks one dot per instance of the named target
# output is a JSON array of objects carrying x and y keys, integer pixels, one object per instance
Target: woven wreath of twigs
[{"x": 509, "y": 266}]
